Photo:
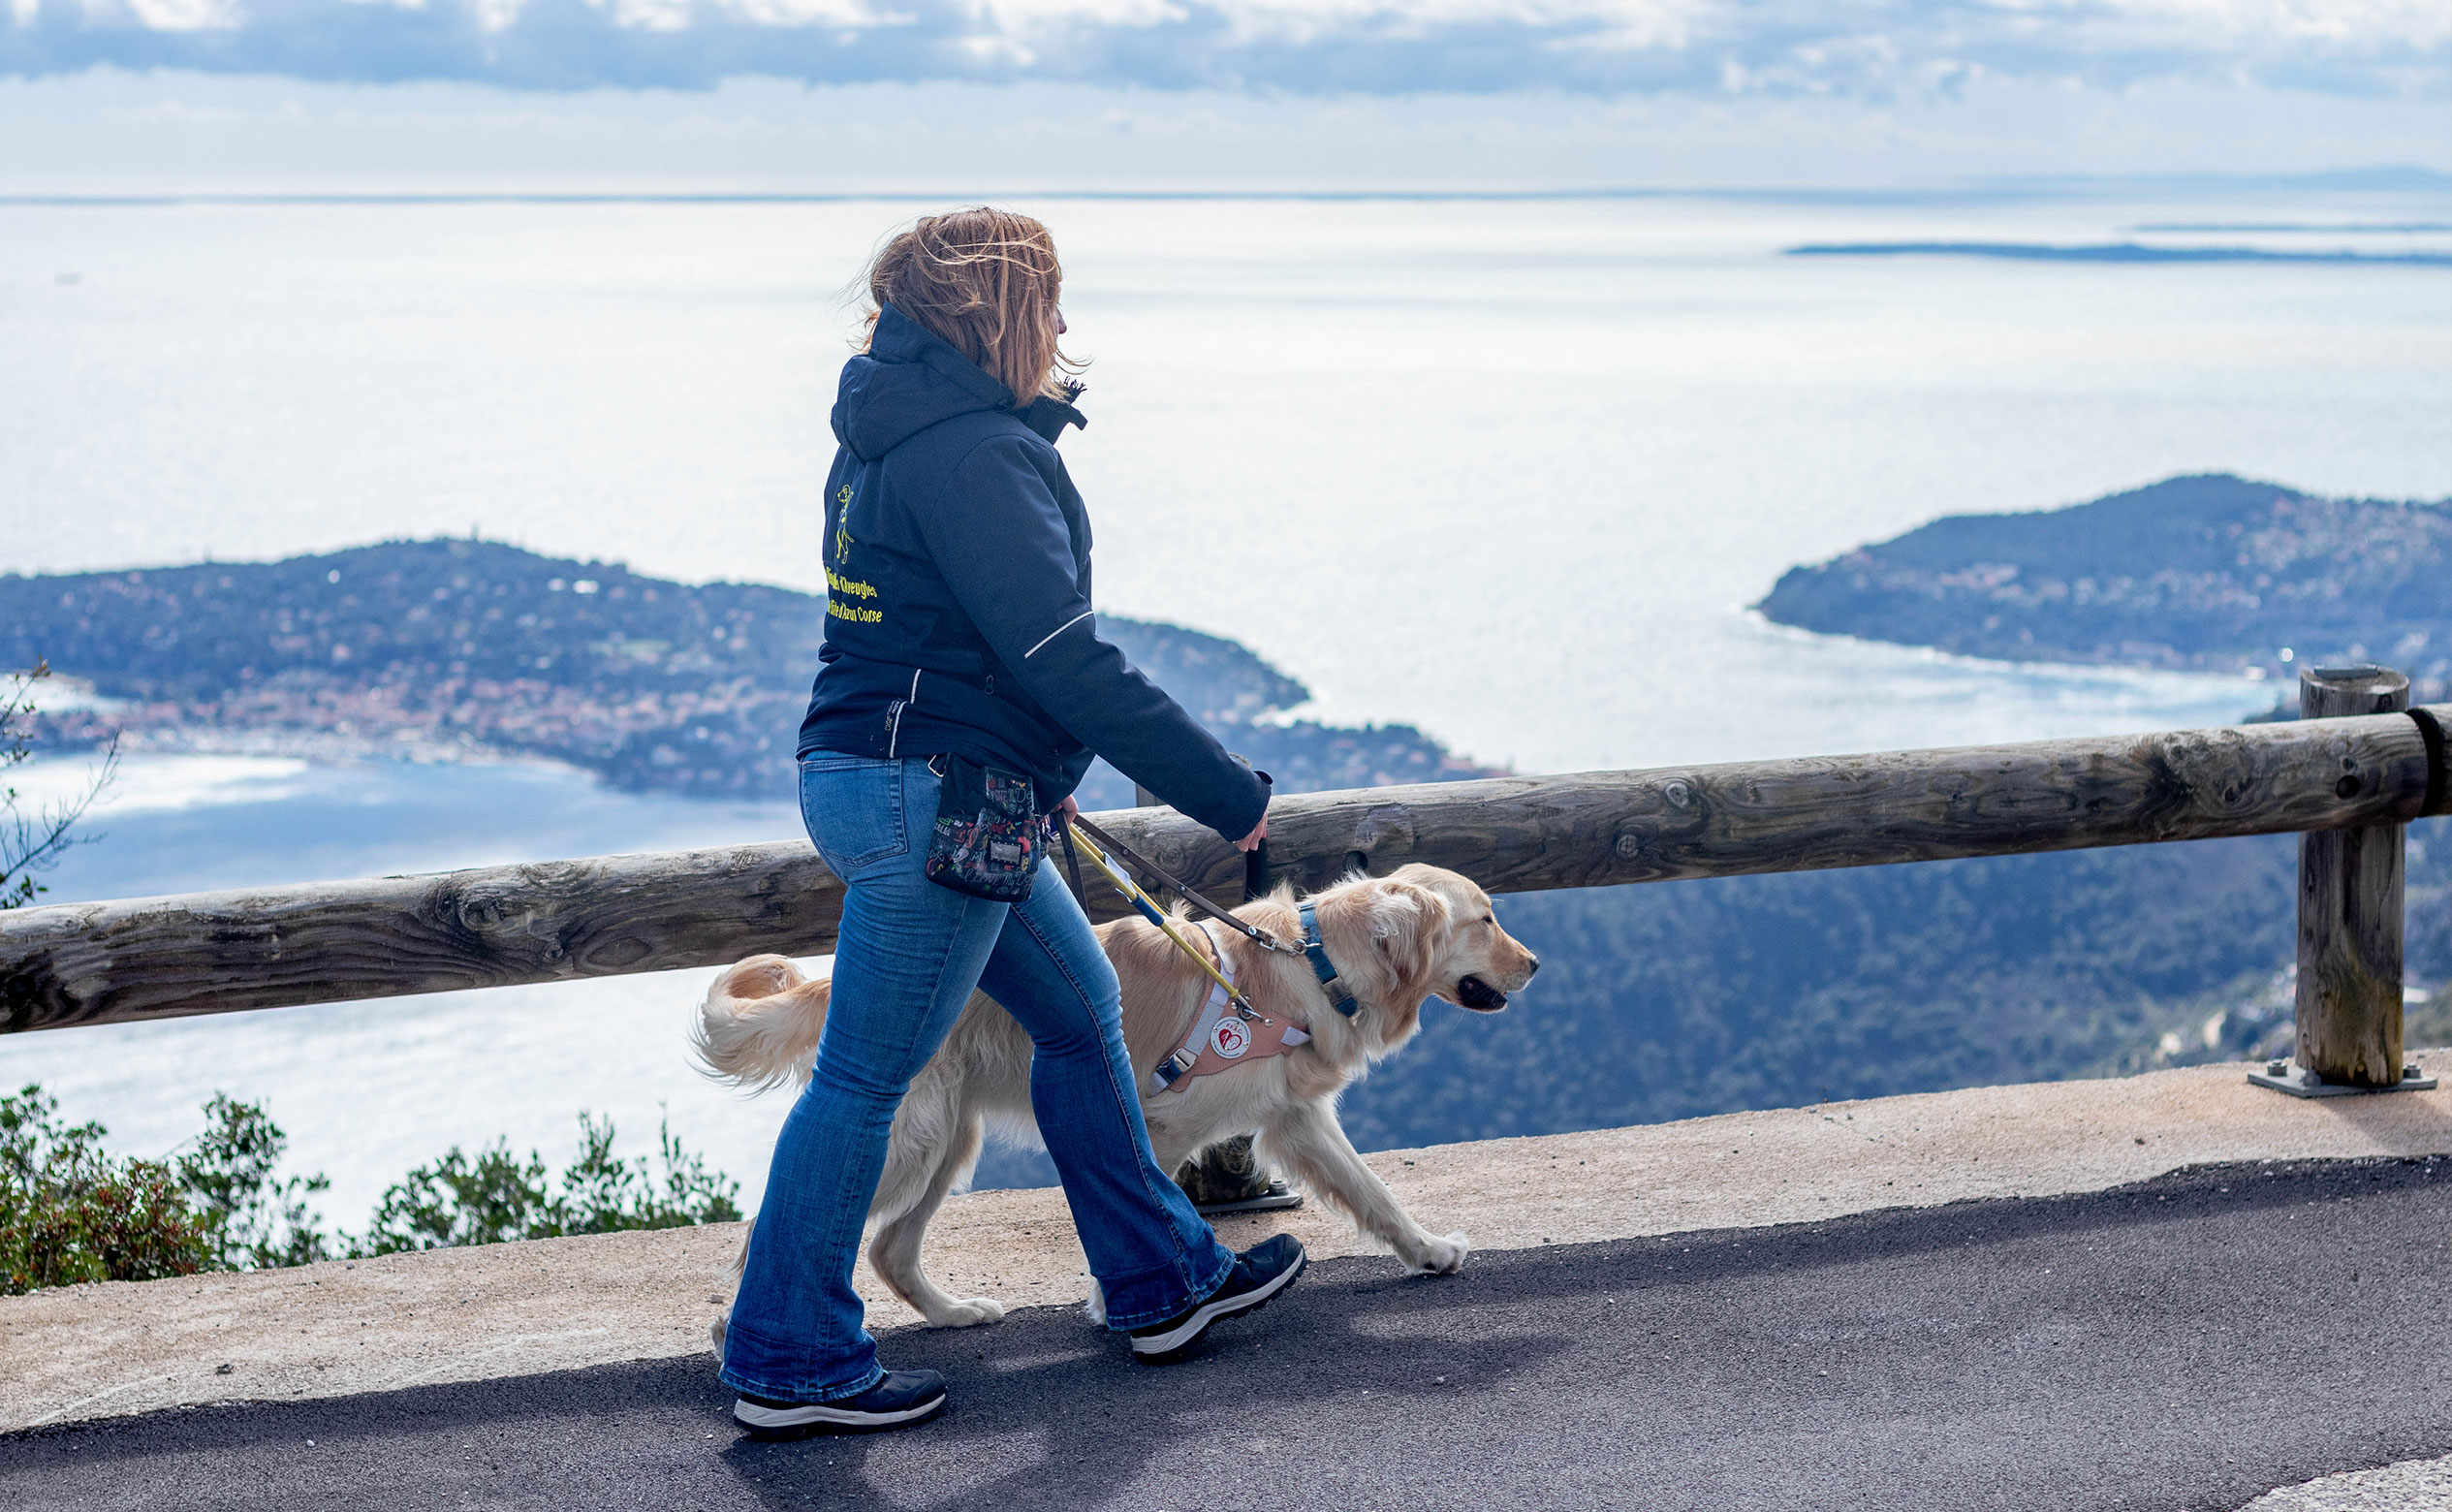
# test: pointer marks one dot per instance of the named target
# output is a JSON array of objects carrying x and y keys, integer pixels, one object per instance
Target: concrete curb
[{"x": 2412, "y": 1485}]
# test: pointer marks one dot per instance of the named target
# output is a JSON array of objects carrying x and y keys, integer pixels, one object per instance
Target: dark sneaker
[
  {"x": 903, "y": 1397},
  {"x": 1260, "y": 1273}
]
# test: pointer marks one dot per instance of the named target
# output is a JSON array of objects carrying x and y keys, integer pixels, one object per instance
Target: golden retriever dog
[{"x": 1395, "y": 941}]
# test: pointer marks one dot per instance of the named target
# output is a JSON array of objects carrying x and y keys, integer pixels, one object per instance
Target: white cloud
[
  {"x": 1871, "y": 48},
  {"x": 167, "y": 15}
]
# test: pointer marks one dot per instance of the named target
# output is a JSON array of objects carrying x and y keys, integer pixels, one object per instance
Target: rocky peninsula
[
  {"x": 2210, "y": 573},
  {"x": 460, "y": 648}
]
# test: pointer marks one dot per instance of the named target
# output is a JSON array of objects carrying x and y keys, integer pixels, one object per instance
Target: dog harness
[
  {"x": 1324, "y": 968},
  {"x": 1225, "y": 1033}
]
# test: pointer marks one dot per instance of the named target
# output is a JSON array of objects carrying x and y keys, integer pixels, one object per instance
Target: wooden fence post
[{"x": 2349, "y": 910}]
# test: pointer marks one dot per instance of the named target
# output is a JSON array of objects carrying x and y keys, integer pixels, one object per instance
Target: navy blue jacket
[{"x": 957, "y": 608}]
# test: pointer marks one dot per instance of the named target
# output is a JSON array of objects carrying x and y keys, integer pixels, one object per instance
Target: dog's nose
[{"x": 1531, "y": 965}]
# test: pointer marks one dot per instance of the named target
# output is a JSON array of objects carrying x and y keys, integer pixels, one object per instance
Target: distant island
[
  {"x": 451, "y": 649},
  {"x": 2109, "y": 252},
  {"x": 2210, "y": 573}
]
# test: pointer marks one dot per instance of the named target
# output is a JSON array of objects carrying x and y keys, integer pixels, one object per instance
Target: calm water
[{"x": 1507, "y": 470}]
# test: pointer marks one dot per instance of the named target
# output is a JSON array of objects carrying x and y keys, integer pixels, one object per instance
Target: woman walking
[{"x": 961, "y": 691}]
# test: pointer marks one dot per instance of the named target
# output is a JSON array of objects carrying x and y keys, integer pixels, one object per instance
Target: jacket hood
[
  {"x": 910, "y": 379},
  {"x": 907, "y": 381}
]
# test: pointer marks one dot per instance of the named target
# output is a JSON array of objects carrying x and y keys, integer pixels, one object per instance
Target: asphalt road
[{"x": 2186, "y": 1343}]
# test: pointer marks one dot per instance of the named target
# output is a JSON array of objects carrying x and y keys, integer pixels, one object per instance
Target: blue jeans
[{"x": 909, "y": 954}]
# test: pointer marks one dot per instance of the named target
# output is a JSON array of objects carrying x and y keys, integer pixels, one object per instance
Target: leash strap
[
  {"x": 1148, "y": 907},
  {"x": 1324, "y": 968},
  {"x": 2430, "y": 731},
  {"x": 1256, "y": 871},
  {"x": 1258, "y": 936},
  {"x": 1072, "y": 864}
]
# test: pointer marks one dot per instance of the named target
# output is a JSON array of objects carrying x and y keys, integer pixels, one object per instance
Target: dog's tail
[{"x": 759, "y": 1026}]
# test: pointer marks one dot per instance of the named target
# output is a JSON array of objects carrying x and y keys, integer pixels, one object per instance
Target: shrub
[
  {"x": 71, "y": 1212},
  {"x": 602, "y": 1195},
  {"x": 459, "y": 1201},
  {"x": 256, "y": 1221},
  {"x": 496, "y": 1197}
]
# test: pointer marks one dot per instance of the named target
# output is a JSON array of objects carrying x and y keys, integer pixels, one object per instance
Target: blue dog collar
[{"x": 1324, "y": 968}]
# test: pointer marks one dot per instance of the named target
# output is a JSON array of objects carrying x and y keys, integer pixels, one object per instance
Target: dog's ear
[{"x": 1409, "y": 933}]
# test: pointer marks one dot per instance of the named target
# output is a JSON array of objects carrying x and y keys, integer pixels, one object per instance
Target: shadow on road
[{"x": 1081, "y": 1415}]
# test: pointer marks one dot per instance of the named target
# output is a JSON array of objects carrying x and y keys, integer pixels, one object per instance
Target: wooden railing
[{"x": 2347, "y": 777}]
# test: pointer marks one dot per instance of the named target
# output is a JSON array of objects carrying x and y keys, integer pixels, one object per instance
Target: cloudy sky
[{"x": 1668, "y": 90}]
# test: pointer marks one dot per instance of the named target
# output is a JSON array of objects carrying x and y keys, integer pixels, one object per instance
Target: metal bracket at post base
[{"x": 2284, "y": 1076}]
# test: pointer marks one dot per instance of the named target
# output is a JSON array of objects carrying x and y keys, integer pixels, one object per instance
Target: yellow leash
[{"x": 1148, "y": 909}]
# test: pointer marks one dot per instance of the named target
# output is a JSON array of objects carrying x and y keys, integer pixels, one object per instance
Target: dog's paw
[
  {"x": 1095, "y": 1307},
  {"x": 967, "y": 1312},
  {"x": 1439, "y": 1256}
]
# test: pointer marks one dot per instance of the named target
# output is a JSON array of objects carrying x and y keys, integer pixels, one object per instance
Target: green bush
[
  {"x": 71, "y": 1212},
  {"x": 459, "y": 1201},
  {"x": 496, "y": 1197},
  {"x": 256, "y": 1220}
]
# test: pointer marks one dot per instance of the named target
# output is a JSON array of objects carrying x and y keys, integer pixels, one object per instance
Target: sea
[{"x": 1511, "y": 469}]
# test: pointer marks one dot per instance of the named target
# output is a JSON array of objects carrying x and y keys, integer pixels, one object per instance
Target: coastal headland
[
  {"x": 2210, "y": 573},
  {"x": 447, "y": 649}
]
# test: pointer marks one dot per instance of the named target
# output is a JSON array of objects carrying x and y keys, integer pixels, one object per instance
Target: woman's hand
[
  {"x": 1066, "y": 811},
  {"x": 1259, "y": 833}
]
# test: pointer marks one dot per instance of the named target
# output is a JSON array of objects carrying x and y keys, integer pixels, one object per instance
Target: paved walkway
[
  {"x": 2191, "y": 1341},
  {"x": 557, "y": 1304}
]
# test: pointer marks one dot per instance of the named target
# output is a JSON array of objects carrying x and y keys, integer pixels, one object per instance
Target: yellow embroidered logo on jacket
[{"x": 838, "y": 586}]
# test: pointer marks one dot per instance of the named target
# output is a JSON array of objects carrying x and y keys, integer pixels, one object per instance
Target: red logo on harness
[{"x": 1230, "y": 1038}]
